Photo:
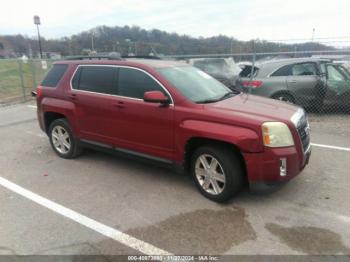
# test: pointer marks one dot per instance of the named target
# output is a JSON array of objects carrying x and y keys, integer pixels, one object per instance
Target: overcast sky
[{"x": 243, "y": 19}]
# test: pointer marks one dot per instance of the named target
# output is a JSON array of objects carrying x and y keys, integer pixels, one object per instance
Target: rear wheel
[
  {"x": 284, "y": 97},
  {"x": 62, "y": 140},
  {"x": 217, "y": 172}
]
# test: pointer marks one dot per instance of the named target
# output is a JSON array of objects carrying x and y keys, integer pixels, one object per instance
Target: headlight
[{"x": 276, "y": 134}]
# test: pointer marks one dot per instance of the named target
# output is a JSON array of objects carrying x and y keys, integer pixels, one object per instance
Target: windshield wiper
[
  {"x": 213, "y": 100},
  {"x": 206, "y": 101},
  {"x": 227, "y": 95}
]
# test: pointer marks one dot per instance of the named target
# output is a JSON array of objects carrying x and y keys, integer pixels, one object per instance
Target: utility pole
[
  {"x": 313, "y": 35},
  {"x": 37, "y": 23},
  {"x": 92, "y": 42}
]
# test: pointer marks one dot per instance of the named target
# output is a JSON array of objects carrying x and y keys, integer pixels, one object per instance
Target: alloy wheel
[
  {"x": 61, "y": 139},
  {"x": 210, "y": 174}
]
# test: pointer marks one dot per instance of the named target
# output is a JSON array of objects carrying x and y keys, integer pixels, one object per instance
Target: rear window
[
  {"x": 99, "y": 79},
  {"x": 54, "y": 75},
  {"x": 246, "y": 72},
  {"x": 304, "y": 69}
]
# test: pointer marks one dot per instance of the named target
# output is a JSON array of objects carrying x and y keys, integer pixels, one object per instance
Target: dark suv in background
[
  {"x": 172, "y": 113},
  {"x": 309, "y": 82}
]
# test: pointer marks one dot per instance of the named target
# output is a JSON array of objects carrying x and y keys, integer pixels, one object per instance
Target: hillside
[{"x": 135, "y": 39}]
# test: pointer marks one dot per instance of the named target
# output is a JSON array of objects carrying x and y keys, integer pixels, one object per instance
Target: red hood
[{"x": 264, "y": 109}]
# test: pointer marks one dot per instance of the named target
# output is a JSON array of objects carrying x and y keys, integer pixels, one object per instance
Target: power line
[{"x": 305, "y": 39}]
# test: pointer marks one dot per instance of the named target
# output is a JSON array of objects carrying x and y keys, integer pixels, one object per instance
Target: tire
[
  {"x": 285, "y": 97},
  {"x": 228, "y": 166},
  {"x": 62, "y": 139}
]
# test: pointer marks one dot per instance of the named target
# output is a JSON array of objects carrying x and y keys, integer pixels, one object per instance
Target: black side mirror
[{"x": 33, "y": 93}]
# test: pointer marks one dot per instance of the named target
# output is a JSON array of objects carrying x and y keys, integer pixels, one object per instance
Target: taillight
[
  {"x": 254, "y": 83},
  {"x": 39, "y": 91}
]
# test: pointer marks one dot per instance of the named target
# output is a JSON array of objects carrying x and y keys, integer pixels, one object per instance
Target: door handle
[
  {"x": 119, "y": 104},
  {"x": 73, "y": 96},
  {"x": 292, "y": 81}
]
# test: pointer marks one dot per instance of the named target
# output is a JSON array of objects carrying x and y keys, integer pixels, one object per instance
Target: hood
[{"x": 264, "y": 109}]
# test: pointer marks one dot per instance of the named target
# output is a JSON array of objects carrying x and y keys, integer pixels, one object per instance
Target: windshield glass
[
  {"x": 344, "y": 71},
  {"x": 195, "y": 84},
  {"x": 334, "y": 74}
]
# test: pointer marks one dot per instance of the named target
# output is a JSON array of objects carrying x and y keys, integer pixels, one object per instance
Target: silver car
[
  {"x": 223, "y": 69},
  {"x": 308, "y": 82}
]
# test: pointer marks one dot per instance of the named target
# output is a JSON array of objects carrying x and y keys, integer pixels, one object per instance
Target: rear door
[
  {"x": 93, "y": 93},
  {"x": 304, "y": 82}
]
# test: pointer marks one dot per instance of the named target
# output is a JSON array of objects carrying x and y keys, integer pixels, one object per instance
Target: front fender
[{"x": 247, "y": 140}]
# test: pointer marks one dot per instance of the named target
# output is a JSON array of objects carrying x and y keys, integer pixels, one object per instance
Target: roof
[
  {"x": 291, "y": 60},
  {"x": 154, "y": 63}
]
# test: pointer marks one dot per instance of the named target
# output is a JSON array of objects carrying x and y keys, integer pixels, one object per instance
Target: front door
[
  {"x": 144, "y": 127},
  {"x": 338, "y": 86}
]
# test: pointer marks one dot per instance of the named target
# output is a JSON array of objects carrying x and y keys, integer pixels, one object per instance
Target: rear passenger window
[
  {"x": 283, "y": 71},
  {"x": 54, "y": 75},
  {"x": 304, "y": 69},
  {"x": 99, "y": 79},
  {"x": 134, "y": 83}
]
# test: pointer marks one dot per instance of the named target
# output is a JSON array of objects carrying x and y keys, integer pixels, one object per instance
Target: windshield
[
  {"x": 334, "y": 74},
  {"x": 195, "y": 84},
  {"x": 344, "y": 71}
]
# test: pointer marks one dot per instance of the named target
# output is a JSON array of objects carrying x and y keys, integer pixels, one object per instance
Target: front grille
[{"x": 304, "y": 132}]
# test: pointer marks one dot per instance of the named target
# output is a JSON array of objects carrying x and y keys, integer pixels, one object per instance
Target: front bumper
[{"x": 263, "y": 169}]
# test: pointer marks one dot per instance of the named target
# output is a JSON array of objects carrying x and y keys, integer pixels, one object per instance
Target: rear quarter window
[{"x": 54, "y": 75}]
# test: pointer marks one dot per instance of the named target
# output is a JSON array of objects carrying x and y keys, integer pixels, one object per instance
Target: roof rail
[
  {"x": 97, "y": 57},
  {"x": 142, "y": 56}
]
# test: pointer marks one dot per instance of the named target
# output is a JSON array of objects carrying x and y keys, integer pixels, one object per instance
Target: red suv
[{"x": 173, "y": 113}]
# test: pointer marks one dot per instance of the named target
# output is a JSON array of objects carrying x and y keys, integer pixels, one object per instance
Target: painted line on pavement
[
  {"x": 331, "y": 147},
  {"x": 107, "y": 231}
]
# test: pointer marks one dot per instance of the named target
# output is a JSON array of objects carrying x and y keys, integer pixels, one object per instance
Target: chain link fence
[{"x": 19, "y": 77}]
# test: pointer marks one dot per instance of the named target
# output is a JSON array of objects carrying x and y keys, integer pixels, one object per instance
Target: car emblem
[{"x": 307, "y": 129}]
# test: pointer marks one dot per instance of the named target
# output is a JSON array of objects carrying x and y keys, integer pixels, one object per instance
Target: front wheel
[
  {"x": 285, "y": 98},
  {"x": 217, "y": 172}
]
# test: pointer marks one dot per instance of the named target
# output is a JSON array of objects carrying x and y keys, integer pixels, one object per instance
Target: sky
[{"x": 242, "y": 19}]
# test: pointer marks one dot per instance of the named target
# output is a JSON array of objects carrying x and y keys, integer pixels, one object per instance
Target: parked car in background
[
  {"x": 175, "y": 114},
  {"x": 223, "y": 69},
  {"x": 309, "y": 82}
]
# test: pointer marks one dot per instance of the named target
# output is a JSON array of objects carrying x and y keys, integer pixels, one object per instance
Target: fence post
[
  {"x": 20, "y": 69},
  {"x": 253, "y": 65},
  {"x": 32, "y": 62}
]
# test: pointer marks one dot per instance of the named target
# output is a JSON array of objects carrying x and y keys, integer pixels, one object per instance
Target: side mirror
[
  {"x": 33, "y": 93},
  {"x": 155, "y": 97}
]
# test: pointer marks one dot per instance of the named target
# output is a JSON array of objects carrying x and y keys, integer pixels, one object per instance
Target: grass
[{"x": 11, "y": 87}]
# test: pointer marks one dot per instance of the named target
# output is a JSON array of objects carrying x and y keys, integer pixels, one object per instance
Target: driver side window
[
  {"x": 334, "y": 74},
  {"x": 134, "y": 83}
]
